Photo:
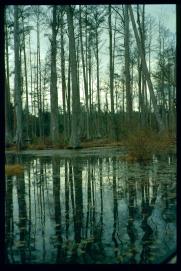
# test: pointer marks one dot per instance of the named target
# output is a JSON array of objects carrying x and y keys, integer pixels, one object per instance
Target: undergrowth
[
  {"x": 142, "y": 144},
  {"x": 13, "y": 170}
]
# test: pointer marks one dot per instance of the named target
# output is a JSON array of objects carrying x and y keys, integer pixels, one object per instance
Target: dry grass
[
  {"x": 13, "y": 170},
  {"x": 144, "y": 143}
]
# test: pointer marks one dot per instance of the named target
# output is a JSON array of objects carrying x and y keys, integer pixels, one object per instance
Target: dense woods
[{"x": 76, "y": 73}]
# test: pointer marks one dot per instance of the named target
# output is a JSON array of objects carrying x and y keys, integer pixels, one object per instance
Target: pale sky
[{"x": 166, "y": 13}]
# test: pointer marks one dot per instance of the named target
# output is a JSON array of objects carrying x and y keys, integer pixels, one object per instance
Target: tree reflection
[
  {"x": 20, "y": 184},
  {"x": 57, "y": 206},
  {"x": 147, "y": 205},
  {"x": 169, "y": 201},
  {"x": 115, "y": 234},
  {"x": 82, "y": 234},
  {"x": 132, "y": 210},
  {"x": 66, "y": 199},
  {"x": 77, "y": 170},
  {"x": 101, "y": 196},
  {"x": 9, "y": 219}
]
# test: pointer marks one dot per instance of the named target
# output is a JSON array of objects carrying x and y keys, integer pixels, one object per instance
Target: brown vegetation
[
  {"x": 12, "y": 170},
  {"x": 144, "y": 143}
]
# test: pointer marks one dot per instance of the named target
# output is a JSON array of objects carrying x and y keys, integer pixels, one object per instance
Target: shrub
[{"x": 142, "y": 144}]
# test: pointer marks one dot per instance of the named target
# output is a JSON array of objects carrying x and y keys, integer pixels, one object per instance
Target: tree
[
  {"x": 75, "y": 132},
  {"x": 84, "y": 75},
  {"x": 8, "y": 134},
  {"x": 25, "y": 73},
  {"x": 63, "y": 71},
  {"x": 53, "y": 81},
  {"x": 111, "y": 70},
  {"x": 161, "y": 126},
  {"x": 17, "y": 81},
  {"x": 127, "y": 65}
]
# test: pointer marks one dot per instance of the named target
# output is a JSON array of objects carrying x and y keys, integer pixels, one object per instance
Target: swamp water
[{"x": 91, "y": 209}]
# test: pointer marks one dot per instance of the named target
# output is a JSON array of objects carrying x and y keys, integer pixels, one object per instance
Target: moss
[{"x": 12, "y": 170}]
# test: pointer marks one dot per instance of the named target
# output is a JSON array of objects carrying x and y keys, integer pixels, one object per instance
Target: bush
[{"x": 144, "y": 143}]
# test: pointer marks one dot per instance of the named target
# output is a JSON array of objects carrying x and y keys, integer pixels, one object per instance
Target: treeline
[{"x": 66, "y": 93}]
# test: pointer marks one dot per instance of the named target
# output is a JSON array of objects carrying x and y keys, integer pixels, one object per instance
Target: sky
[
  {"x": 167, "y": 13},
  {"x": 162, "y": 12}
]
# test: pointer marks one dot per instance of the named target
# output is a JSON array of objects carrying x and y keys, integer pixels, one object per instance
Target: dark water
[{"x": 91, "y": 210}]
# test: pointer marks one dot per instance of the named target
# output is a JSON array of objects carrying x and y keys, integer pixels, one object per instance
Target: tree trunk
[
  {"x": 111, "y": 75},
  {"x": 8, "y": 138},
  {"x": 161, "y": 126},
  {"x": 84, "y": 76},
  {"x": 17, "y": 81},
  {"x": 68, "y": 100},
  {"x": 63, "y": 76},
  {"x": 38, "y": 73},
  {"x": 75, "y": 132},
  {"x": 98, "y": 86},
  {"x": 8, "y": 135},
  {"x": 90, "y": 79},
  {"x": 26, "y": 84},
  {"x": 127, "y": 67},
  {"x": 31, "y": 94},
  {"x": 53, "y": 84}
]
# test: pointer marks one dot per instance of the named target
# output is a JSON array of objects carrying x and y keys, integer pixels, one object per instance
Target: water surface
[{"x": 91, "y": 209}]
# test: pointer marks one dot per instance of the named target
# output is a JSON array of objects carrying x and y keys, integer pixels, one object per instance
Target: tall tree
[
  {"x": 53, "y": 83},
  {"x": 17, "y": 80},
  {"x": 111, "y": 71},
  {"x": 63, "y": 73},
  {"x": 26, "y": 79},
  {"x": 127, "y": 64},
  {"x": 84, "y": 74},
  {"x": 161, "y": 125},
  {"x": 8, "y": 134},
  {"x": 75, "y": 132}
]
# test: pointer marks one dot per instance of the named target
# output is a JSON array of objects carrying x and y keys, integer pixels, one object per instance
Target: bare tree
[
  {"x": 75, "y": 132},
  {"x": 84, "y": 75},
  {"x": 17, "y": 80},
  {"x": 111, "y": 70},
  {"x": 53, "y": 83},
  {"x": 146, "y": 72},
  {"x": 127, "y": 64}
]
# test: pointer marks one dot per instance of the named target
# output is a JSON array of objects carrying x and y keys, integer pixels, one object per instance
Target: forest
[
  {"x": 83, "y": 73},
  {"x": 90, "y": 134}
]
